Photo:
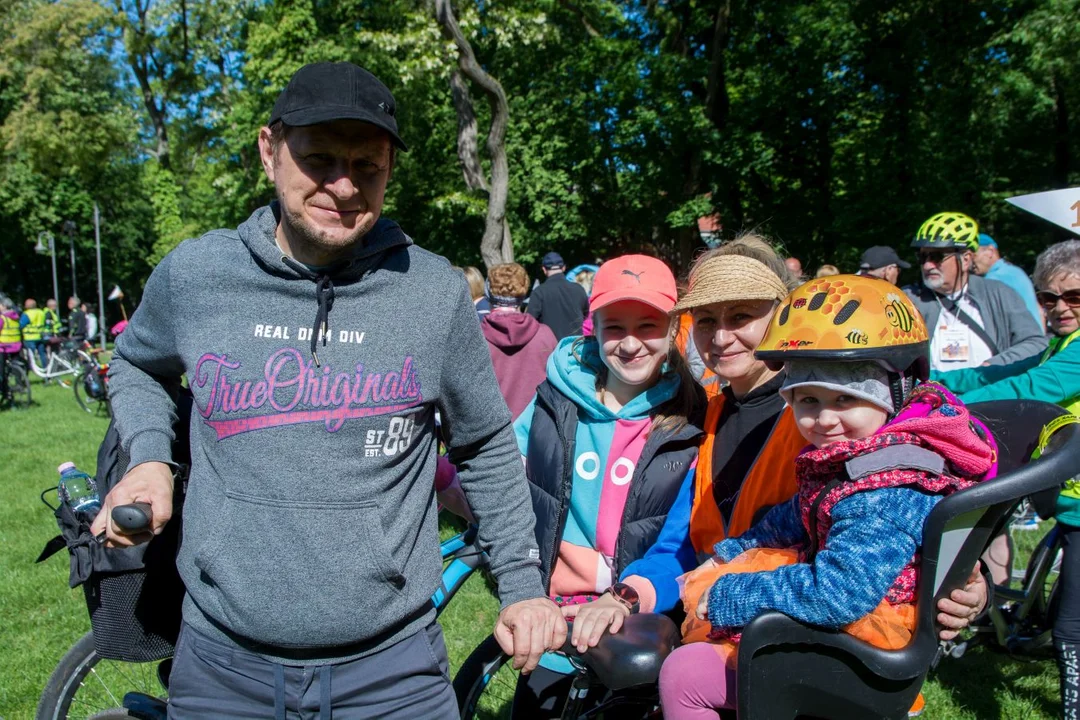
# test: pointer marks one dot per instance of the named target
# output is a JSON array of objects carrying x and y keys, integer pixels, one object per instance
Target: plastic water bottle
[{"x": 79, "y": 491}]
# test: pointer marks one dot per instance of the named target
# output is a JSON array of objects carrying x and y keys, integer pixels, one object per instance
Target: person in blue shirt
[{"x": 990, "y": 264}]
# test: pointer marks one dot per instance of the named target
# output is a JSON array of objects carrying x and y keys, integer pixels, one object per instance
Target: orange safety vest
[
  {"x": 708, "y": 379},
  {"x": 771, "y": 480}
]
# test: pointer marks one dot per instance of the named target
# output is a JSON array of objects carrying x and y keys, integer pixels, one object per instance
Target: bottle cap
[{"x": 65, "y": 466}]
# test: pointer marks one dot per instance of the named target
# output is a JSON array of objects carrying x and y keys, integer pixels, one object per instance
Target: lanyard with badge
[
  {"x": 956, "y": 341},
  {"x": 955, "y": 336}
]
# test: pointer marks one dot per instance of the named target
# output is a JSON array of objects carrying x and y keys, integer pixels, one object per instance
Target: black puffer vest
[{"x": 659, "y": 473}]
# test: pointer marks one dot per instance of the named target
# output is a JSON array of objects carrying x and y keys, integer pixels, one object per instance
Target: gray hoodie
[{"x": 310, "y": 529}]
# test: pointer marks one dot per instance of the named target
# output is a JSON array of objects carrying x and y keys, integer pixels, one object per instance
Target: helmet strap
[{"x": 896, "y": 387}]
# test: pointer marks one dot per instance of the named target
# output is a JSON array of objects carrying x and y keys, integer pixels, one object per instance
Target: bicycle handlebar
[{"x": 132, "y": 519}]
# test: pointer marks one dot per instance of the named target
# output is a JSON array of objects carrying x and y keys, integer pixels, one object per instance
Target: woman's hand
[
  {"x": 962, "y": 606},
  {"x": 592, "y": 619}
]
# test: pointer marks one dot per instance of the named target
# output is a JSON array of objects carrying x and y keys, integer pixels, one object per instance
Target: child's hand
[
  {"x": 703, "y": 607},
  {"x": 710, "y": 563}
]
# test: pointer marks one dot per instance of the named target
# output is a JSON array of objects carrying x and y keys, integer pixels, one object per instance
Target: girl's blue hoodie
[{"x": 607, "y": 447}]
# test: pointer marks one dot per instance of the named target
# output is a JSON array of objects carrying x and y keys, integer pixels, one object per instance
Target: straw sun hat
[{"x": 724, "y": 278}]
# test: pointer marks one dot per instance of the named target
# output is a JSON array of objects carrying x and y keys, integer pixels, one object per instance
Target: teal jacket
[{"x": 1052, "y": 377}]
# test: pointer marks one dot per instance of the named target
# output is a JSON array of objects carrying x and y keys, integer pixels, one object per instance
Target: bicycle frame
[
  {"x": 56, "y": 367},
  {"x": 464, "y": 556}
]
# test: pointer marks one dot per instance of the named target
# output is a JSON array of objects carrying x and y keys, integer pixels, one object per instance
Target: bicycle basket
[{"x": 134, "y": 595}]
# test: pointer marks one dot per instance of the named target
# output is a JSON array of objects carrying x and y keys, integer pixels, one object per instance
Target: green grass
[{"x": 40, "y": 617}]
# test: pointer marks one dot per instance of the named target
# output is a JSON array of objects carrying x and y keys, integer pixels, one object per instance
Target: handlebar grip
[
  {"x": 132, "y": 519},
  {"x": 568, "y": 646}
]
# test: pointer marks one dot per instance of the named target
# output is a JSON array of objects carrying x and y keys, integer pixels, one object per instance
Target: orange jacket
[
  {"x": 771, "y": 480},
  {"x": 705, "y": 377}
]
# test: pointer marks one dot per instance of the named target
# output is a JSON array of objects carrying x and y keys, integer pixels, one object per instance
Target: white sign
[{"x": 1061, "y": 207}]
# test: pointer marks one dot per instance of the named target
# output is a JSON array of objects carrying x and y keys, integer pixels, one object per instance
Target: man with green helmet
[{"x": 973, "y": 321}]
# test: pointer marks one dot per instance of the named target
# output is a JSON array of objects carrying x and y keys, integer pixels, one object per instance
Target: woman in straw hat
[{"x": 746, "y": 463}]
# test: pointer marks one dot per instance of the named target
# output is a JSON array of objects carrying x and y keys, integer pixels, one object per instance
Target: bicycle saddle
[{"x": 632, "y": 656}]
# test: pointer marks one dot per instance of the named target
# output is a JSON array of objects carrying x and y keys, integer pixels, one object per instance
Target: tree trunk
[
  {"x": 139, "y": 55},
  {"x": 496, "y": 246},
  {"x": 467, "y": 138}
]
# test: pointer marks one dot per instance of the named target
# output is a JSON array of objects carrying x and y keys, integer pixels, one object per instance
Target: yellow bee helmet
[
  {"x": 848, "y": 317},
  {"x": 948, "y": 230}
]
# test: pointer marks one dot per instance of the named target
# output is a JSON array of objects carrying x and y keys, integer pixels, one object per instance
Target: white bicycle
[{"x": 64, "y": 361}]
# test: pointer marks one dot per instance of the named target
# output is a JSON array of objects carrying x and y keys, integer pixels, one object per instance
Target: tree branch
[
  {"x": 577, "y": 10},
  {"x": 495, "y": 246}
]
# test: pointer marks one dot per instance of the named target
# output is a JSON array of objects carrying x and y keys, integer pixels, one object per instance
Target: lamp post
[
  {"x": 46, "y": 243},
  {"x": 69, "y": 229},
  {"x": 100, "y": 286}
]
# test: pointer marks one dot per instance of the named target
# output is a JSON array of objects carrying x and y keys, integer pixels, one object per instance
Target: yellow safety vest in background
[
  {"x": 9, "y": 331},
  {"x": 52, "y": 322},
  {"x": 36, "y": 328}
]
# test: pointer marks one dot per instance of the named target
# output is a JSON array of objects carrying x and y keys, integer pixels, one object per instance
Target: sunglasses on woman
[{"x": 1049, "y": 299}]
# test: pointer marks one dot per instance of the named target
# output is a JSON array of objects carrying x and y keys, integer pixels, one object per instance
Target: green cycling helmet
[{"x": 948, "y": 230}]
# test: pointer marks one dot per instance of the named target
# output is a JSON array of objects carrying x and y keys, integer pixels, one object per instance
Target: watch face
[{"x": 625, "y": 592}]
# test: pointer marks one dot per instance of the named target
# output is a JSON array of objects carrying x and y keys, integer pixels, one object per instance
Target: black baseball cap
[
  {"x": 323, "y": 92},
  {"x": 552, "y": 260},
  {"x": 879, "y": 256}
]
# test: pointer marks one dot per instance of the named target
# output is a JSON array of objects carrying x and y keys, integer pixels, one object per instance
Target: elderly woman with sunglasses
[{"x": 1053, "y": 377}]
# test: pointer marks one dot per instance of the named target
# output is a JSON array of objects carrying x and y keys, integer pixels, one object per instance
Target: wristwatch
[{"x": 626, "y": 595}]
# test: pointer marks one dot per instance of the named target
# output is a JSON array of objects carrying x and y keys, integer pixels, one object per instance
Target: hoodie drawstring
[{"x": 324, "y": 295}]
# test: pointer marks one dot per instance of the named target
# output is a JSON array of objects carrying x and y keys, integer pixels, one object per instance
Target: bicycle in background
[
  {"x": 92, "y": 384},
  {"x": 14, "y": 384},
  {"x": 64, "y": 360}
]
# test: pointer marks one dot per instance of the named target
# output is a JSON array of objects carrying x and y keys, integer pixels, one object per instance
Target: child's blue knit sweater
[{"x": 873, "y": 536}]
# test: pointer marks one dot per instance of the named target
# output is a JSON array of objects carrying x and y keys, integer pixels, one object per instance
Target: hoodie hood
[
  {"x": 509, "y": 331},
  {"x": 943, "y": 423},
  {"x": 572, "y": 370},
  {"x": 258, "y": 233}
]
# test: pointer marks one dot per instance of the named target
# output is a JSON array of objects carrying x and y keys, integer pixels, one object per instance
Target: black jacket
[
  {"x": 560, "y": 304},
  {"x": 664, "y": 462}
]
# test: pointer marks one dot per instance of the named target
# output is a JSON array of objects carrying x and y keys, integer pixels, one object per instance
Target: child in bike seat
[{"x": 843, "y": 552}]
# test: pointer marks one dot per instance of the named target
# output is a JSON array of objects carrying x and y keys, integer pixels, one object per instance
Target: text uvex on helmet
[{"x": 948, "y": 230}]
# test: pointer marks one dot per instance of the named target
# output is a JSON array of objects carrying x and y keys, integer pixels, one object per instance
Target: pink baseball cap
[{"x": 634, "y": 277}]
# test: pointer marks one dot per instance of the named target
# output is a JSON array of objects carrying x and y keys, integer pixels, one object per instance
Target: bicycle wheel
[
  {"x": 91, "y": 392},
  {"x": 18, "y": 386},
  {"x": 485, "y": 684},
  {"x": 84, "y": 685},
  {"x": 1041, "y": 577}
]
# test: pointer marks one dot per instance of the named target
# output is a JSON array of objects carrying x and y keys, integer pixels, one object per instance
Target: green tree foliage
[{"x": 830, "y": 125}]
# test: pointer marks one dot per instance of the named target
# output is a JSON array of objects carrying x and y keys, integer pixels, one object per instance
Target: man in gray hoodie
[{"x": 318, "y": 355}]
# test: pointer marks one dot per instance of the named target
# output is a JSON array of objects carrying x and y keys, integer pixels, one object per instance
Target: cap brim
[
  {"x": 903, "y": 263},
  {"x": 661, "y": 302},
  {"x": 787, "y": 392},
  {"x": 306, "y": 117}
]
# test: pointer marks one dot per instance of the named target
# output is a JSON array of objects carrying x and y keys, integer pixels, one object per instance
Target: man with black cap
[
  {"x": 558, "y": 303},
  {"x": 882, "y": 262},
  {"x": 310, "y": 533}
]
